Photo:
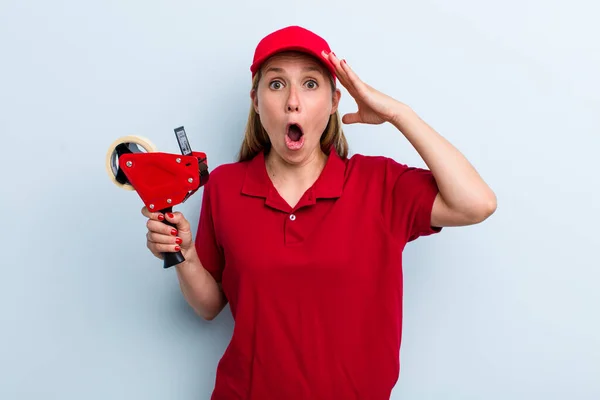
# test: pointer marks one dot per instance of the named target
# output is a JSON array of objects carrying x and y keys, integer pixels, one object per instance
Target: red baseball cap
[{"x": 294, "y": 38}]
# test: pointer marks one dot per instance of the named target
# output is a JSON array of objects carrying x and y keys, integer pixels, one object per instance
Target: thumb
[
  {"x": 182, "y": 225},
  {"x": 177, "y": 219},
  {"x": 351, "y": 118}
]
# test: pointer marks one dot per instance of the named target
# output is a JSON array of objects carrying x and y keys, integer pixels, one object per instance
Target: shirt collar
[{"x": 330, "y": 183}]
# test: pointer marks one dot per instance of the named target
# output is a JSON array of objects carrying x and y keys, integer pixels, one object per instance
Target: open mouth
[{"x": 294, "y": 132}]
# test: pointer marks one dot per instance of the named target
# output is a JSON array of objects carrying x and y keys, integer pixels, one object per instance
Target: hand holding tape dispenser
[{"x": 162, "y": 180}]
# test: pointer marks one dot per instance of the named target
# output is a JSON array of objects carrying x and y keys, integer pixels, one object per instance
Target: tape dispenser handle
[{"x": 171, "y": 258}]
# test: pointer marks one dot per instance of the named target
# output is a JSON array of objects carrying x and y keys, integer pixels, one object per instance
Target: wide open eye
[
  {"x": 312, "y": 84},
  {"x": 276, "y": 85}
]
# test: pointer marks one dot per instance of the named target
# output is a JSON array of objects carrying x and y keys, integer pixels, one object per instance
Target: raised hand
[{"x": 374, "y": 107}]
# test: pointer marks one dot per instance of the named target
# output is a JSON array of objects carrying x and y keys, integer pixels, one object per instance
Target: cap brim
[{"x": 330, "y": 67}]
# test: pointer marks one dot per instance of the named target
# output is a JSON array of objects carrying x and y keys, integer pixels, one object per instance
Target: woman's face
[{"x": 294, "y": 101}]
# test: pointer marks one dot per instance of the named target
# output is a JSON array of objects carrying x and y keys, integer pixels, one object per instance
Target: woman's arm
[
  {"x": 464, "y": 197},
  {"x": 199, "y": 288}
]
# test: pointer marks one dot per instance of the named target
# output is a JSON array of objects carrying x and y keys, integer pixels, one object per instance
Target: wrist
[
  {"x": 191, "y": 258},
  {"x": 401, "y": 115}
]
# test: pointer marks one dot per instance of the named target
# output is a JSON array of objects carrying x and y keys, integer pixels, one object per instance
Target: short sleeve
[
  {"x": 409, "y": 194},
  {"x": 207, "y": 247}
]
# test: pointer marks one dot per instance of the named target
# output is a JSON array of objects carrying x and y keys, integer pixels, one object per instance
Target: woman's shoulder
[
  {"x": 360, "y": 158},
  {"x": 227, "y": 173},
  {"x": 228, "y": 168},
  {"x": 372, "y": 164}
]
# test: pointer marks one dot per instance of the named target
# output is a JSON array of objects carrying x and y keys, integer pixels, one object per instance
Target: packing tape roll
[{"x": 135, "y": 144}]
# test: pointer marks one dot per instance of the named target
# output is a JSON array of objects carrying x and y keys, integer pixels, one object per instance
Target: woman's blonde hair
[{"x": 256, "y": 138}]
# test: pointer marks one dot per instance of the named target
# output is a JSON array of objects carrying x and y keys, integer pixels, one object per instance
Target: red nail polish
[
  {"x": 161, "y": 217},
  {"x": 177, "y": 248},
  {"x": 173, "y": 232},
  {"x": 178, "y": 240},
  {"x": 170, "y": 215}
]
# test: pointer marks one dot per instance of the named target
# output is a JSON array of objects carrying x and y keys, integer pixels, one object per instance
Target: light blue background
[{"x": 503, "y": 310}]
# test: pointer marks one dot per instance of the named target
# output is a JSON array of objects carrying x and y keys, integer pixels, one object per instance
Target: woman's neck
[{"x": 291, "y": 181}]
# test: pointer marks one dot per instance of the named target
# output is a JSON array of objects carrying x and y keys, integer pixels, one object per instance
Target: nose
[{"x": 293, "y": 100}]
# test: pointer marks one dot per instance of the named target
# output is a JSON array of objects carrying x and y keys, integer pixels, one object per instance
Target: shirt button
[{"x": 292, "y": 217}]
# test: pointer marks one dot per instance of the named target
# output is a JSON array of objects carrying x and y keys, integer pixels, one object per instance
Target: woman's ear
[
  {"x": 254, "y": 98},
  {"x": 337, "y": 94}
]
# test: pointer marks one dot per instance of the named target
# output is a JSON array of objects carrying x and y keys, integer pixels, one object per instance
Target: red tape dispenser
[{"x": 162, "y": 180}]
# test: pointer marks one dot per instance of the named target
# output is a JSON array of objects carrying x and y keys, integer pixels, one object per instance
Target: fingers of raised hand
[
  {"x": 345, "y": 74},
  {"x": 337, "y": 64}
]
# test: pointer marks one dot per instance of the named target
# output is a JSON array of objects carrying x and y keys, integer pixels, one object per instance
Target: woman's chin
[{"x": 296, "y": 154}]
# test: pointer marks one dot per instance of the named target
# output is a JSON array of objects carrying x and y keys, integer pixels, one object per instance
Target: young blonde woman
[{"x": 305, "y": 242}]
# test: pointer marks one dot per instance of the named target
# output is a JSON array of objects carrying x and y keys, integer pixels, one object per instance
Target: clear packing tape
[{"x": 135, "y": 144}]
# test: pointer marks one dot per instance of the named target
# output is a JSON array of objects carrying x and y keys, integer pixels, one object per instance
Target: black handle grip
[{"x": 171, "y": 258}]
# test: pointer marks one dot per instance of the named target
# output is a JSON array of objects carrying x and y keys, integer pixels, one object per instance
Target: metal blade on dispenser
[{"x": 182, "y": 139}]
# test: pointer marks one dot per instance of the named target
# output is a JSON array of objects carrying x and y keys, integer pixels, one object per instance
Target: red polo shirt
[{"x": 315, "y": 290}]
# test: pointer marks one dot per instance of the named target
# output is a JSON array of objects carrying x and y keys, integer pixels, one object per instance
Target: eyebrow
[{"x": 312, "y": 68}]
